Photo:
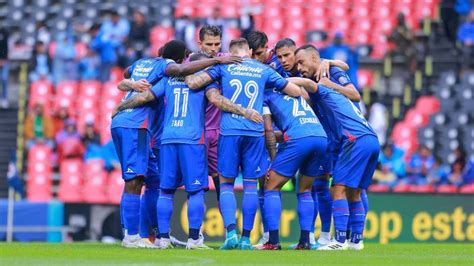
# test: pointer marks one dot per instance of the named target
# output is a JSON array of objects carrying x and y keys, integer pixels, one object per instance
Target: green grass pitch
[{"x": 106, "y": 254}]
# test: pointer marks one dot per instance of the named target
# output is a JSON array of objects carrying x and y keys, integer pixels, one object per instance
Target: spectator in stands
[
  {"x": 40, "y": 63},
  {"x": 42, "y": 33},
  {"x": 116, "y": 29},
  {"x": 38, "y": 127},
  {"x": 4, "y": 67},
  {"x": 391, "y": 162},
  {"x": 185, "y": 30},
  {"x": 341, "y": 51},
  {"x": 402, "y": 37},
  {"x": 90, "y": 136},
  {"x": 139, "y": 37},
  {"x": 419, "y": 165},
  {"x": 64, "y": 60},
  {"x": 438, "y": 173},
  {"x": 68, "y": 141},
  {"x": 466, "y": 38},
  {"x": 61, "y": 115},
  {"x": 106, "y": 50},
  {"x": 457, "y": 168},
  {"x": 378, "y": 117},
  {"x": 89, "y": 65},
  {"x": 217, "y": 20},
  {"x": 450, "y": 19},
  {"x": 468, "y": 175},
  {"x": 110, "y": 156},
  {"x": 246, "y": 22}
]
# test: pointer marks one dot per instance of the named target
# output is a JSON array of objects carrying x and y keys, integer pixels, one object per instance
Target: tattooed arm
[
  {"x": 128, "y": 85},
  {"x": 270, "y": 138},
  {"x": 214, "y": 96},
  {"x": 136, "y": 101},
  {"x": 198, "y": 81}
]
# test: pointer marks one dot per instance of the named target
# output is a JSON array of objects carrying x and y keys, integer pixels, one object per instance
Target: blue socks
[
  {"x": 165, "y": 210},
  {"x": 340, "y": 210},
  {"x": 144, "y": 219},
  {"x": 195, "y": 213},
  {"x": 357, "y": 220},
  {"x": 324, "y": 202},
  {"x": 228, "y": 205},
  {"x": 249, "y": 206},
  {"x": 305, "y": 214},
  {"x": 365, "y": 200},
  {"x": 151, "y": 198},
  {"x": 272, "y": 214},
  {"x": 314, "y": 195},
  {"x": 261, "y": 201},
  {"x": 130, "y": 205}
]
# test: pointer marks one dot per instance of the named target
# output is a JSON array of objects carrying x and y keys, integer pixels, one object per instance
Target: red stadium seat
[
  {"x": 110, "y": 91},
  {"x": 90, "y": 88},
  {"x": 41, "y": 91},
  {"x": 66, "y": 95},
  {"x": 116, "y": 74},
  {"x": 230, "y": 11},
  {"x": 424, "y": 189},
  {"x": 81, "y": 50},
  {"x": 467, "y": 189},
  {"x": 360, "y": 11},
  {"x": 428, "y": 105},
  {"x": 70, "y": 147},
  {"x": 39, "y": 171},
  {"x": 402, "y": 188},
  {"x": 296, "y": 25},
  {"x": 233, "y": 33},
  {"x": 379, "y": 188},
  {"x": 160, "y": 35},
  {"x": 70, "y": 184},
  {"x": 416, "y": 119},
  {"x": 115, "y": 186},
  {"x": 184, "y": 9},
  {"x": 365, "y": 78},
  {"x": 448, "y": 189},
  {"x": 95, "y": 182}
]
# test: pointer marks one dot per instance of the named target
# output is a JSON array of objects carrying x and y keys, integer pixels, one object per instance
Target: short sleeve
[
  {"x": 340, "y": 76},
  {"x": 275, "y": 80},
  {"x": 159, "y": 71},
  {"x": 266, "y": 110},
  {"x": 159, "y": 89},
  {"x": 214, "y": 72}
]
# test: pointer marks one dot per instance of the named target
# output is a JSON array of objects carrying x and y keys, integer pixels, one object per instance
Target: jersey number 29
[{"x": 250, "y": 90}]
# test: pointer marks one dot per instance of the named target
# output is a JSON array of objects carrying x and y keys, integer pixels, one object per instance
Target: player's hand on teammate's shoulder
[
  {"x": 231, "y": 59},
  {"x": 253, "y": 115},
  {"x": 325, "y": 82},
  {"x": 141, "y": 85},
  {"x": 323, "y": 70}
]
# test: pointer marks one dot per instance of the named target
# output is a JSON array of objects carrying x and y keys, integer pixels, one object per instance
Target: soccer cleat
[
  {"x": 136, "y": 241},
  {"x": 268, "y": 246},
  {"x": 176, "y": 242},
  {"x": 244, "y": 244},
  {"x": 303, "y": 246},
  {"x": 197, "y": 244},
  {"x": 324, "y": 239},
  {"x": 231, "y": 241},
  {"x": 263, "y": 240},
  {"x": 165, "y": 243},
  {"x": 358, "y": 246},
  {"x": 334, "y": 245}
]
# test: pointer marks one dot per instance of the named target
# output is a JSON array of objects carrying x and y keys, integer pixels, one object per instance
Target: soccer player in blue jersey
[
  {"x": 241, "y": 142},
  {"x": 304, "y": 144},
  {"x": 130, "y": 129},
  {"x": 356, "y": 146},
  {"x": 285, "y": 51},
  {"x": 184, "y": 134}
]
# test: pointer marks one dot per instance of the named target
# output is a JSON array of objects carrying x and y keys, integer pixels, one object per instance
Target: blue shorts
[
  {"x": 184, "y": 164},
  {"x": 325, "y": 167},
  {"x": 243, "y": 151},
  {"x": 265, "y": 162},
  {"x": 152, "y": 179},
  {"x": 304, "y": 154},
  {"x": 356, "y": 163},
  {"x": 133, "y": 149}
]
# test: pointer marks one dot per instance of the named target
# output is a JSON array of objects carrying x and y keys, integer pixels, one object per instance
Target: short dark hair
[
  {"x": 174, "y": 50},
  {"x": 198, "y": 56},
  {"x": 210, "y": 30},
  {"x": 287, "y": 42},
  {"x": 308, "y": 47},
  {"x": 238, "y": 42},
  {"x": 257, "y": 39}
]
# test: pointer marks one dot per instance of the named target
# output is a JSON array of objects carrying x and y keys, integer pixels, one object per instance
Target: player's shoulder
[{"x": 335, "y": 69}]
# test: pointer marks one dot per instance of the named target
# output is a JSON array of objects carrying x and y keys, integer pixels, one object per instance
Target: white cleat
[
  {"x": 135, "y": 241},
  {"x": 358, "y": 246},
  {"x": 335, "y": 245},
  {"x": 324, "y": 238},
  {"x": 263, "y": 240},
  {"x": 197, "y": 244},
  {"x": 175, "y": 242},
  {"x": 165, "y": 243}
]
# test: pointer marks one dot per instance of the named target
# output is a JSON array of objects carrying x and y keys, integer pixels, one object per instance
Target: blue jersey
[
  {"x": 184, "y": 117},
  {"x": 244, "y": 84},
  {"x": 340, "y": 116},
  {"x": 157, "y": 115},
  {"x": 139, "y": 117},
  {"x": 293, "y": 116},
  {"x": 274, "y": 63}
]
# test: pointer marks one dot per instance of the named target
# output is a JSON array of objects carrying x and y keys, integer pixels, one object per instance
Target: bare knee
[
  {"x": 338, "y": 192},
  {"x": 305, "y": 183},
  {"x": 134, "y": 186},
  {"x": 275, "y": 181},
  {"x": 353, "y": 194}
]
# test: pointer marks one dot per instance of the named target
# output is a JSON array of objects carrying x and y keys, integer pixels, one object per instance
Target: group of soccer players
[{"x": 272, "y": 114}]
